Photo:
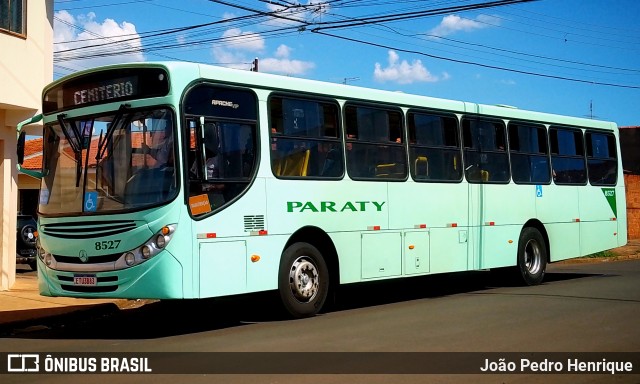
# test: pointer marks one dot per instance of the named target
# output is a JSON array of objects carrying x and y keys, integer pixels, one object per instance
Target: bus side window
[
  {"x": 304, "y": 136},
  {"x": 602, "y": 159},
  {"x": 434, "y": 147},
  {"x": 567, "y": 156},
  {"x": 485, "y": 155},
  {"x": 374, "y": 146},
  {"x": 529, "y": 154}
]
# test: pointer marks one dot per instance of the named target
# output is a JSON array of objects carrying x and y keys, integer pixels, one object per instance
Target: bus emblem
[{"x": 83, "y": 256}]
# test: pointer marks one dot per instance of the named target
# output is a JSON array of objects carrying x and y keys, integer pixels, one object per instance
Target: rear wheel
[
  {"x": 303, "y": 281},
  {"x": 532, "y": 256}
]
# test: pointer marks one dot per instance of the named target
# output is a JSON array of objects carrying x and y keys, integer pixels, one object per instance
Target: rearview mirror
[{"x": 20, "y": 147}]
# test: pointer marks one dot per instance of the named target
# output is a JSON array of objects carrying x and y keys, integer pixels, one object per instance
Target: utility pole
[{"x": 347, "y": 79}]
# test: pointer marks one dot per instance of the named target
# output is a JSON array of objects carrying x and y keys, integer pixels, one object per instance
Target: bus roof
[{"x": 193, "y": 71}]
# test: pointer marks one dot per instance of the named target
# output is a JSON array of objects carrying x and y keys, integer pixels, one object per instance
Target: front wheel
[
  {"x": 532, "y": 256},
  {"x": 303, "y": 280}
]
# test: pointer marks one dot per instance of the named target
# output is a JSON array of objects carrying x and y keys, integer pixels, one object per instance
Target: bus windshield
[{"x": 106, "y": 163}]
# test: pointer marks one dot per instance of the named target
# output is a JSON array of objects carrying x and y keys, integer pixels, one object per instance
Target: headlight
[
  {"x": 39, "y": 250},
  {"x": 161, "y": 241},
  {"x": 145, "y": 251},
  {"x": 130, "y": 258},
  {"x": 149, "y": 249}
]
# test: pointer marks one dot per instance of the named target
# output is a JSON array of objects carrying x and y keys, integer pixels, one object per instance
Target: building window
[{"x": 12, "y": 16}]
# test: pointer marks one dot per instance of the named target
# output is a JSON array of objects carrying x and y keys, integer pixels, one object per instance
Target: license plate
[{"x": 85, "y": 280}]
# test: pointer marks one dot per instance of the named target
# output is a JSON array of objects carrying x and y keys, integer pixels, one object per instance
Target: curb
[{"x": 63, "y": 315}]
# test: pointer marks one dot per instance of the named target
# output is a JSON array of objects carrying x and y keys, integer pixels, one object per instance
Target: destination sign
[
  {"x": 114, "y": 89},
  {"x": 105, "y": 87}
]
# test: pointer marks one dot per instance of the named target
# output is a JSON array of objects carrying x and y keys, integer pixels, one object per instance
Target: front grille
[
  {"x": 103, "y": 279},
  {"x": 92, "y": 259},
  {"x": 89, "y": 289},
  {"x": 87, "y": 229}
]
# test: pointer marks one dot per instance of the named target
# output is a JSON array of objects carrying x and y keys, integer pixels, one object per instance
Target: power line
[{"x": 474, "y": 63}]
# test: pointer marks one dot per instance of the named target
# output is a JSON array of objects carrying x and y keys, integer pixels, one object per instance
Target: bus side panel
[
  {"x": 343, "y": 209},
  {"x": 349, "y": 249},
  {"x": 504, "y": 210},
  {"x": 558, "y": 209},
  {"x": 330, "y": 205},
  {"x": 448, "y": 251},
  {"x": 598, "y": 221},
  {"x": 621, "y": 206},
  {"x": 223, "y": 268},
  {"x": 441, "y": 208},
  {"x": 222, "y": 241}
]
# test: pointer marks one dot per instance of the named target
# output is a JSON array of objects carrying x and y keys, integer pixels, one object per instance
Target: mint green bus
[{"x": 184, "y": 181}]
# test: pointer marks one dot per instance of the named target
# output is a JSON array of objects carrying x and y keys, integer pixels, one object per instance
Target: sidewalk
[{"x": 22, "y": 305}]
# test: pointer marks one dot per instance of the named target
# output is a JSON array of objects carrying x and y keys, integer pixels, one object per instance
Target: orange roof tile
[{"x": 33, "y": 152}]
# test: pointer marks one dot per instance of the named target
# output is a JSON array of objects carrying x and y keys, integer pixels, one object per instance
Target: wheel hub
[
  {"x": 304, "y": 279},
  {"x": 532, "y": 257}
]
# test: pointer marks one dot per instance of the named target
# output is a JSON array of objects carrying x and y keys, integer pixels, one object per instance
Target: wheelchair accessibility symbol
[
  {"x": 538, "y": 190},
  {"x": 90, "y": 201}
]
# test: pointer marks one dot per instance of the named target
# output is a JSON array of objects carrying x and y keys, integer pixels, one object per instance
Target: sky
[{"x": 570, "y": 57}]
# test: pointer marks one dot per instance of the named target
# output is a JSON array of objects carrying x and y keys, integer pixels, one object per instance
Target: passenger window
[
  {"x": 374, "y": 144},
  {"x": 305, "y": 140},
  {"x": 602, "y": 159},
  {"x": 529, "y": 154},
  {"x": 434, "y": 148},
  {"x": 485, "y": 155},
  {"x": 220, "y": 142},
  {"x": 567, "y": 156}
]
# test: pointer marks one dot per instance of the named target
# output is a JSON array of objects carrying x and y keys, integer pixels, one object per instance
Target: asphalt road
[{"x": 579, "y": 308}]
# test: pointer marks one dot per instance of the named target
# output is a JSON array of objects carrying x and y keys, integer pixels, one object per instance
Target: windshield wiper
[
  {"x": 75, "y": 143},
  {"x": 102, "y": 147}
]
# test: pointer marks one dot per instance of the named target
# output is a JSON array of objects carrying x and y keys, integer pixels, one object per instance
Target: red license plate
[{"x": 85, "y": 280}]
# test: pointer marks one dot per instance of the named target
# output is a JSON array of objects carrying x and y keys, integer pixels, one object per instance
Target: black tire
[
  {"x": 27, "y": 235},
  {"x": 303, "y": 280},
  {"x": 532, "y": 256}
]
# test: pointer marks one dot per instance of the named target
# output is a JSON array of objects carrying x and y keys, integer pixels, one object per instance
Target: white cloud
[
  {"x": 452, "y": 23},
  {"x": 241, "y": 54},
  {"x": 246, "y": 41},
  {"x": 283, "y": 51},
  {"x": 283, "y": 64},
  {"x": 89, "y": 39},
  {"x": 231, "y": 59},
  {"x": 403, "y": 72}
]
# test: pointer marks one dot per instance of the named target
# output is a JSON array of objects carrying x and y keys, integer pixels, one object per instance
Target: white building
[{"x": 26, "y": 66}]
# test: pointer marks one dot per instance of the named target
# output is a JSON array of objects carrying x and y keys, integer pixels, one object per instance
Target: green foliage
[{"x": 600, "y": 254}]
